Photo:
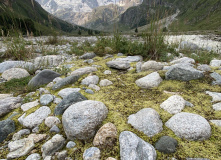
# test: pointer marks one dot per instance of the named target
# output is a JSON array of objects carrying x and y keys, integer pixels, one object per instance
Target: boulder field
[{"x": 113, "y": 108}]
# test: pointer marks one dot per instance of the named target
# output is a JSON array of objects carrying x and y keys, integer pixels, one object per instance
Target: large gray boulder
[
  {"x": 82, "y": 119},
  {"x": 120, "y": 65},
  {"x": 8, "y": 104},
  {"x": 82, "y": 71},
  {"x": 15, "y": 64},
  {"x": 174, "y": 104},
  {"x": 44, "y": 77},
  {"x": 66, "y": 81},
  {"x": 189, "y": 126},
  {"x": 15, "y": 73},
  {"x": 20, "y": 148},
  {"x": 183, "y": 73},
  {"x": 150, "y": 81},
  {"x": 134, "y": 148},
  {"x": 36, "y": 118},
  {"x": 6, "y": 127},
  {"x": 147, "y": 121},
  {"x": 88, "y": 56},
  {"x": 53, "y": 145},
  {"x": 69, "y": 100},
  {"x": 151, "y": 66}
]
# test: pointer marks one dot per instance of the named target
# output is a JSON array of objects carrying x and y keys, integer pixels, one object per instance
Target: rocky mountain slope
[
  {"x": 26, "y": 15},
  {"x": 91, "y": 14},
  {"x": 105, "y": 108},
  {"x": 194, "y": 15}
]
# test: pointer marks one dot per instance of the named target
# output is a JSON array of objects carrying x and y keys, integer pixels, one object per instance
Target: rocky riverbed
[{"x": 110, "y": 107}]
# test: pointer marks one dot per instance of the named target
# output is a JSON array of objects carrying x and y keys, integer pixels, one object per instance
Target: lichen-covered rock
[
  {"x": 105, "y": 82},
  {"x": 204, "y": 67},
  {"x": 36, "y": 118},
  {"x": 106, "y": 136},
  {"x": 110, "y": 158},
  {"x": 20, "y": 148},
  {"x": 70, "y": 144},
  {"x": 216, "y": 122},
  {"x": 65, "y": 92},
  {"x": 53, "y": 145},
  {"x": 183, "y": 60},
  {"x": 121, "y": 65},
  {"x": 131, "y": 59},
  {"x": 20, "y": 133},
  {"x": 151, "y": 66},
  {"x": 8, "y": 104},
  {"x": 90, "y": 80},
  {"x": 216, "y": 77},
  {"x": 107, "y": 72},
  {"x": 216, "y": 97},
  {"x": 189, "y": 126},
  {"x": 37, "y": 137},
  {"x": 34, "y": 156},
  {"x": 147, "y": 121},
  {"x": 183, "y": 73},
  {"x": 95, "y": 87},
  {"x": 62, "y": 155},
  {"x": 81, "y": 119},
  {"x": 215, "y": 63},
  {"x": 29, "y": 105},
  {"x": 92, "y": 153},
  {"x": 51, "y": 121},
  {"x": 82, "y": 71},
  {"x": 44, "y": 77},
  {"x": 174, "y": 104},
  {"x": 49, "y": 60},
  {"x": 88, "y": 56},
  {"x": 138, "y": 67},
  {"x": 150, "y": 81},
  {"x": 15, "y": 64},
  {"x": 6, "y": 127},
  {"x": 134, "y": 148},
  {"x": 15, "y": 73},
  {"x": 69, "y": 100},
  {"x": 46, "y": 99},
  {"x": 217, "y": 107},
  {"x": 66, "y": 81},
  {"x": 166, "y": 145}
]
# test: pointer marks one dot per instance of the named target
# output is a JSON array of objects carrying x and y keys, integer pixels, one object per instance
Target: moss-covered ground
[{"x": 124, "y": 98}]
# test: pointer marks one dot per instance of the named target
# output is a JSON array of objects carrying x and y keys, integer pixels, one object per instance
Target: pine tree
[
  {"x": 136, "y": 30},
  {"x": 79, "y": 32}
]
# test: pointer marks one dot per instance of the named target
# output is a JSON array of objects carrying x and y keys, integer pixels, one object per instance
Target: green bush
[{"x": 16, "y": 50}]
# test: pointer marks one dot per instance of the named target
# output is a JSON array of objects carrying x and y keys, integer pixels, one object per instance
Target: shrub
[{"x": 16, "y": 50}]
